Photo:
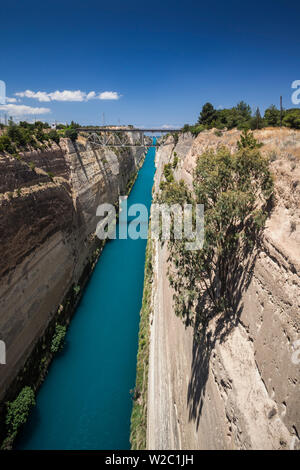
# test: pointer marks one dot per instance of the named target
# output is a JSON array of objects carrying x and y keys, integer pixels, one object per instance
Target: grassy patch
[{"x": 138, "y": 428}]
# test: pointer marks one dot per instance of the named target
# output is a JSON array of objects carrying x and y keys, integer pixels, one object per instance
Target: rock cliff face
[
  {"x": 242, "y": 390},
  {"x": 48, "y": 219}
]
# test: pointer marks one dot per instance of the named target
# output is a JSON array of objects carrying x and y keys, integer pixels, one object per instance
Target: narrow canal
[{"x": 85, "y": 401}]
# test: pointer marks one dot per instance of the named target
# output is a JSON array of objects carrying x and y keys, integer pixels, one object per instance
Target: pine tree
[
  {"x": 258, "y": 119},
  {"x": 207, "y": 115},
  {"x": 272, "y": 116}
]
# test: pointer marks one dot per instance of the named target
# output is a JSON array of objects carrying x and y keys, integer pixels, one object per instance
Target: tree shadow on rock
[{"x": 208, "y": 333}]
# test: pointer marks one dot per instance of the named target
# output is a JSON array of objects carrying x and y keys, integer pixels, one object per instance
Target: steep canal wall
[
  {"x": 240, "y": 391},
  {"x": 85, "y": 400},
  {"x": 48, "y": 246}
]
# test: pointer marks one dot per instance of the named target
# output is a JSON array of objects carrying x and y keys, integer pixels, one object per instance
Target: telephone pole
[{"x": 280, "y": 111}]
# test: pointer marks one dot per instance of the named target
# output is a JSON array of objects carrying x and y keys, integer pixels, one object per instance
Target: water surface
[{"x": 85, "y": 401}]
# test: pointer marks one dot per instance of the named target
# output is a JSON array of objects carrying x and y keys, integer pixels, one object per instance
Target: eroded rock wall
[
  {"x": 242, "y": 391},
  {"x": 48, "y": 220}
]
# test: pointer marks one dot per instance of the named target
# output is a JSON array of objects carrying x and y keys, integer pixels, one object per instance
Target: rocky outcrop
[
  {"x": 48, "y": 220},
  {"x": 240, "y": 391}
]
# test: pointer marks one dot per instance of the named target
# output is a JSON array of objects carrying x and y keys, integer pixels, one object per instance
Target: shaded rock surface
[{"x": 48, "y": 219}]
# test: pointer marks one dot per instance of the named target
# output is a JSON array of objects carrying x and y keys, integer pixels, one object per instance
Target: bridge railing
[{"x": 120, "y": 137}]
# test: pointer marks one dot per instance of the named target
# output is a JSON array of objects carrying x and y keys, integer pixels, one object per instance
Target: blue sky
[{"x": 162, "y": 59}]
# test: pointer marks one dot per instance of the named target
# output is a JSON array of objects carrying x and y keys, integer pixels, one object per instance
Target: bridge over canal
[{"x": 122, "y": 136}]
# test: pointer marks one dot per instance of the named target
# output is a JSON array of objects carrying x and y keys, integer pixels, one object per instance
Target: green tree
[
  {"x": 53, "y": 135},
  {"x": 243, "y": 115},
  {"x": 40, "y": 135},
  {"x": 257, "y": 121},
  {"x": 168, "y": 173},
  {"x": 292, "y": 118},
  {"x": 243, "y": 110},
  {"x": 229, "y": 186},
  {"x": 227, "y": 118},
  {"x": 26, "y": 125},
  {"x": 272, "y": 116},
  {"x": 247, "y": 140},
  {"x": 74, "y": 125},
  {"x": 207, "y": 115},
  {"x": 71, "y": 134},
  {"x": 6, "y": 144},
  {"x": 41, "y": 125}
]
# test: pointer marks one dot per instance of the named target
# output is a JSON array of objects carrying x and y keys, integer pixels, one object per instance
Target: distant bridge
[{"x": 122, "y": 136}]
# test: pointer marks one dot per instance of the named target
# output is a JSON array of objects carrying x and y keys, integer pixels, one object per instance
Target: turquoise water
[{"x": 85, "y": 402}]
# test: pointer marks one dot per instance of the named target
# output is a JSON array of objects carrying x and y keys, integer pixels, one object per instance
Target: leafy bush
[
  {"x": 18, "y": 410},
  {"x": 53, "y": 135},
  {"x": 6, "y": 144},
  {"x": 272, "y": 116},
  {"x": 292, "y": 118},
  {"x": 174, "y": 193},
  {"x": 58, "y": 338},
  {"x": 25, "y": 135},
  {"x": 168, "y": 173},
  {"x": 195, "y": 130},
  {"x": 218, "y": 133},
  {"x": 21, "y": 136},
  {"x": 40, "y": 135},
  {"x": 17, "y": 415},
  {"x": 175, "y": 161},
  {"x": 71, "y": 134},
  {"x": 247, "y": 140}
]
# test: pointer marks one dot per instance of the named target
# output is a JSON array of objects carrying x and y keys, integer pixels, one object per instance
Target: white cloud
[
  {"x": 22, "y": 110},
  {"x": 11, "y": 100},
  {"x": 68, "y": 95},
  {"x": 91, "y": 95},
  {"x": 39, "y": 95},
  {"x": 109, "y": 95}
]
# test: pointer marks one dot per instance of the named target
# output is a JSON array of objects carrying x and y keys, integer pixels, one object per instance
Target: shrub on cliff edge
[
  {"x": 17, "y": 414},
  {"x": 58, "y": 338},
  {"x": 235, "y": 190},
  {"x": 71, "y": 134}
]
